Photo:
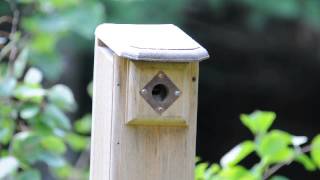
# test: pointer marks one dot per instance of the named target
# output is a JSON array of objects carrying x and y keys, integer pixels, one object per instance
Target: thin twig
[
  {"x": 6, "y": 50},
  {"x": 82, "y": 160},
  {"x": 275, "y": 168},
  {"x": 14, "y": 27}
]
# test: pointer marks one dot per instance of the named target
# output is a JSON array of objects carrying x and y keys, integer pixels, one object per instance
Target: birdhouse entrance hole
[{"x": 160, "y": 92}]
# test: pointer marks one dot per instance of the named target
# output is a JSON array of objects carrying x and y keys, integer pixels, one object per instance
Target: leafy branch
[
  {"x": 275, "y": 148},
  {"x": 35, "y": 128}
]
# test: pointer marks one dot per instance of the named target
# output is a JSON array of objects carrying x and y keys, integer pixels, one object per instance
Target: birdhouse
[{"x": 144, "y": 102}]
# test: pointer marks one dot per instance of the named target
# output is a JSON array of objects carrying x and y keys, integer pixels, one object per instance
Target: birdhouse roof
[{"x": 163, "y": 42}]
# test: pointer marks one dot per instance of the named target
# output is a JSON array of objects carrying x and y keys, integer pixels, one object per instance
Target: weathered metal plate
[{"x": 160, "y": 93}]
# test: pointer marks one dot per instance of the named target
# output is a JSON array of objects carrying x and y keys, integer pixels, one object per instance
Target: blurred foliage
[
  {"x": 260, "y": 12},
  {"x": 141, "y": 11},
  {"x": 34, "y": 125},
  {"x": 275, "y": 148},
  {"x": 46, "y": 23},
  {"x": 35, "y": 129},
  {"x": 257, "y": 13}
]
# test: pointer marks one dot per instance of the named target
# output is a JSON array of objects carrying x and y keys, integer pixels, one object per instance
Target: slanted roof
[{"x": 164, "y": 42}]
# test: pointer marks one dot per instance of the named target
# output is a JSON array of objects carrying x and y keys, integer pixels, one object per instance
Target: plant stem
[{"x": 276, "y": 168}]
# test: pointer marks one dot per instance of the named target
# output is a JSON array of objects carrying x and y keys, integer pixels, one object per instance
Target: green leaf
[
  {"x": 53, "y": 144},
  {"x": 47, "y": 25},
  {"x": 29, "y": 93},
  {"x": 62, "y": 96},
  {"x": 31, "y": 174},
  {"x": 7, "y": 110},
  {"x": 42, "y": 42},
  {"x": 237, "y": 154},
  {"x": 55, "y": 118},
  {"x": 83, "y": 125},
  {"x": 33, "y": 76},
  {"x": 237, "y": 173},
  {"x": 259, "y": 168},
  {"x": 29, "y": 111},
  {"x": 7, "y": 86},
  {"x": 3, "y": 71},
  {"x": 77, "y": 142},
  {"x": 315, "y": 150},
  {"x": 279, "y": 178},
  {"x": 306, "y": 162},
  {"x": 52, "y": 66},
  {"x": 211, "y": 171},
  {"x": 4, "y": 152},
  {"x": 89, "y": 13},
  {"x": 26, "y": 147},
  {"x": 64, "y": 4},
  {"x": 200, "y": 171},
  {"x": 43, "y": 50},
  {"x": 90, "y": 89},
  {"x": 57, "y": 4},
  {"x": 259, "y": 121},
  {"x": 8, "y": 165},
  {"x": 53, "y": 160},
  {"x": 7, "y": 127},
  {"x": 20, "y": 63},
  {"x": 63, "y": 172},
  {"x": 30, "y": 148},
  {"x": 274, "y": 147}
]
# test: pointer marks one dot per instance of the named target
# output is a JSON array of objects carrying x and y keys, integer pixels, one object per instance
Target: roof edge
[{"x": 160, "y": 55}]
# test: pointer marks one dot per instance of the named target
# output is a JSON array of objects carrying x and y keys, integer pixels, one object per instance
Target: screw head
[
  {"x": 160, "y": 109},
  {"x": 177, "y": 93},
  {"x": 161, "y": 75},
  {"x": 144, "y": 91}
]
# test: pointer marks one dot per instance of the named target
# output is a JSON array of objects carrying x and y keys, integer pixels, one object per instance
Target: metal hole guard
[{"x": 172, "y": 93}]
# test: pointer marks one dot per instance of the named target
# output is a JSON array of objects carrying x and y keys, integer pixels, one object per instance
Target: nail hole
[
  {"x": 159, "y": 92},
  {"x": 194, "y": 79}
]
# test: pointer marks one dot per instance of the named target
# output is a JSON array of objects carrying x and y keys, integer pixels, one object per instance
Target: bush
[
  {"x": 35, "y": 130},
  {"x": 275, "y": 148}
]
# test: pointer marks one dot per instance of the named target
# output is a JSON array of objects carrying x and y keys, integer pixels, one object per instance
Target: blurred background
[{"x": 264, "y": 55}]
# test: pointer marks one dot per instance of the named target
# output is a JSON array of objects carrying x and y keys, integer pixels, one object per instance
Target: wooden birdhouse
[{"x": 144, "y": 103}]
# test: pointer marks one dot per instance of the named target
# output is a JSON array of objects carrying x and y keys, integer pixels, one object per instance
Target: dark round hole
[{"x": 159, "y": 92}]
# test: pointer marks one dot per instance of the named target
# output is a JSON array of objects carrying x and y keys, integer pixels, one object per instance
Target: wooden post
[{"x": 144, "y": 103}]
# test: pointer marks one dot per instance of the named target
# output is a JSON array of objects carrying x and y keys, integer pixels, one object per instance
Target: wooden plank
[
  {"x": 157, "y": 42},
  {"x": 139, "y": 112},
  {"x": 151, "y": 152},
  {"x": 101, "y": 114},
  {"x": 124, "y": 152}
]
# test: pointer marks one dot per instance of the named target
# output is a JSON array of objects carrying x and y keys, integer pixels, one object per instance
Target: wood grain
[
  {"x": 141, "y": 152},
  {"x": 102, "y": 114},
  {"x": 139, "y": 112}
]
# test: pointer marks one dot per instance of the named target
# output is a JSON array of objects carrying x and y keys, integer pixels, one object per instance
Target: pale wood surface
[
  {"x": 125, "y": 152},
  {"x": 139, "y": 112},
  {"x": 151, "y": 152},
  {"x": 156, "y": 42},
  {"x": 101, "y": 114}
]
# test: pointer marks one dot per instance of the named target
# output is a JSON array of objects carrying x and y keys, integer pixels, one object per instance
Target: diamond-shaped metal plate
[{"x": 160, "y": 93}]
